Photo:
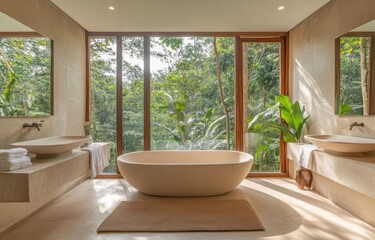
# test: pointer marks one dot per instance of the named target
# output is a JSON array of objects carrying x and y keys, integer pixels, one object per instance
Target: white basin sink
[
  {"x": 342, "y": 144},
  {"x": 52, "y": 145}
]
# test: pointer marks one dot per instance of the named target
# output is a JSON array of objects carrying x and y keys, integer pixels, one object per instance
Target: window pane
[
  {"x": 132, "y": 85},
  {"x": 186, "y": 105},
  {"x": 103, "y": 93},
  {"x": 262, "y": 81}
]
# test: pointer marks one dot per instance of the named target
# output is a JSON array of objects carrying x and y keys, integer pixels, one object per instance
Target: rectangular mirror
[
  {"x": 25, "y": 70},
  {"x": 355, "y": 71}
]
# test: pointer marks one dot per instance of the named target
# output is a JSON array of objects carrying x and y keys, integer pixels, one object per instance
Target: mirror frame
[
  {"x": 371, "y": 74},
  {"x": 36, "y": 34}
]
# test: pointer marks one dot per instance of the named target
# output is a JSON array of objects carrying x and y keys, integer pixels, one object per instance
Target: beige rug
[{"x": 182, "y": 216}]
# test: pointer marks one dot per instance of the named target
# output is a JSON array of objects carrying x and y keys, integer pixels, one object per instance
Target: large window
[
  {"x": 192, "y": 93},
  {"x": 180, "y": 92},
  {"x": 262, "y": 84},
  {"x": 103, "y": 93},
  {"x": 132, "y": 94}
]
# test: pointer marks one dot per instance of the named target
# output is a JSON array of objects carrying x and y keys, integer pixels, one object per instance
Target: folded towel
[
  {"x": 98, "y": 158},
  {"x": 11, "y": 162},
  {"x": 12, "y": 152},
  {"x": 305, "y": 156},
  {"x": 16, "y": 166},
  {"x": 11, "y": 157}
]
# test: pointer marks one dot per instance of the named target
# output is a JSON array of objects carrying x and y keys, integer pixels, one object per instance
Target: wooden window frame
[
  {"x": 240, "y": 37},
  {"x": 284, "y": 89}
]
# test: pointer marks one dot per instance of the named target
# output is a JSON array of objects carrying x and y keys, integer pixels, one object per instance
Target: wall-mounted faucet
[
  {"x": 355, "y": 124},
  {"x": 34, "y": 124}
]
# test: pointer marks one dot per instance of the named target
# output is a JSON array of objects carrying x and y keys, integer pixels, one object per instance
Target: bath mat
[{"x": 182, "y": 216}]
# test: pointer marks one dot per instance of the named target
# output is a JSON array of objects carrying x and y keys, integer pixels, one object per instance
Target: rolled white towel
[
  {"x": 16, "y": 166},
  {"x": 11, "y": 162},
  {"x": 13, "y": 152}
]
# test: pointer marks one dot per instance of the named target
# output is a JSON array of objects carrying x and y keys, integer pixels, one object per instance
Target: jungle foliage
[
  {"x": 192, "y": 93},
  {"x": 25, "y": 76},
  {"x": 354, "y": 76}
]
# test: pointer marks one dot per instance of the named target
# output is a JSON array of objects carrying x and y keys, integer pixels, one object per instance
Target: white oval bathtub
[{"x": 185, "y": 173}]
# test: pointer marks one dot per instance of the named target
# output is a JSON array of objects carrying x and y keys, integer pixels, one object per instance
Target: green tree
[{"x": 25, "y": 76}]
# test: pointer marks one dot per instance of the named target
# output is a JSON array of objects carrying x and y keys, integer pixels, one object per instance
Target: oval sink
[
  {"x": 52, "y": 145},
  {"x": 342, "y": 144}
]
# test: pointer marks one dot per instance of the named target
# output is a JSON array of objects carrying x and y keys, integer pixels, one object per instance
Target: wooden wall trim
[
  {"x": 147, "y": 94},
  {"x": 267, "y": 174},
  {"x": 52, "y": 90},
  {"x": 337, "y": 76},
  {"x": 372, "y": 77},
  {"x": 284, "y": 89},
  {"x": 358, "y": 34},
  {"x": 191, "y": 34},
  {"x": 87, "y": 91},
  {"x": 239, "y": 146},
  {"x": 21, "y": 34},
  {"x": 119, "y": 95}
]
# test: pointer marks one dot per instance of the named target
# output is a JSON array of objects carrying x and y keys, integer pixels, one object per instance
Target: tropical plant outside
[
  {"x": 192, "y": 93},
  {"x": 354, "y": 76},
  {"x": 291, "y": 114},
  {"x": 263, "y": 80}
]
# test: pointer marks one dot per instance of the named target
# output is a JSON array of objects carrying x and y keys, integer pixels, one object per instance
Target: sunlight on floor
[
  {"x": 113, "y": 195},
  {"x": 285, "y": 211}
]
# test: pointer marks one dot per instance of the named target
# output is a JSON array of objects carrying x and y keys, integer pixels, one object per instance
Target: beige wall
[
  {"x": 69, "y": 68},
  {"x": 69, "y": 90},
  {"x": 312, "y": 64}
]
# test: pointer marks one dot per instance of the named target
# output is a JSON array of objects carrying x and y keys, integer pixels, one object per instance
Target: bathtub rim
[{"x": 249, "y": 159}]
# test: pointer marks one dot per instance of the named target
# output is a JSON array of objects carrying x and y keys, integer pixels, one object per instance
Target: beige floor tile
[{"x": 285, "y": 211}]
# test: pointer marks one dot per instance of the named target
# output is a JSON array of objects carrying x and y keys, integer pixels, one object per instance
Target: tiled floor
[{"x": 285, "y": 211}]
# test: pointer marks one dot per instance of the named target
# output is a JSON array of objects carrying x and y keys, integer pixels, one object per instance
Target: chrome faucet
[
  {"x": 355, "y": 124},
  {"x": 34, "y": 124}
]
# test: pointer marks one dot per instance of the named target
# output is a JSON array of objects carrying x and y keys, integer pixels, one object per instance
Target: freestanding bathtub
[{"x": 185, "y": 173}]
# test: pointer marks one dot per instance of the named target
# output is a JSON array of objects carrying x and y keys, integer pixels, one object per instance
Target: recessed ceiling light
[
  {"x": 281, "y": 8},
  {"x": 111, "y": 8}
]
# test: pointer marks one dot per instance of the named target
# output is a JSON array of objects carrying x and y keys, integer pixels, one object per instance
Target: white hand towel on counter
[
  {"x": 10, "y": 162},
  {"x": 11, "y": 158},
  {"x": 306, "y": 155},
  {"x": 98, "y": 158},
  {"x": 9, "y": 167},
  {"x": 13, "y": 152}
]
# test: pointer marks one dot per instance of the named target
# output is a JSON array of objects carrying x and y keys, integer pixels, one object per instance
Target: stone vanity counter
[
  {"x": 45, "y": 179},
  {"x": 347, "y": 180}
]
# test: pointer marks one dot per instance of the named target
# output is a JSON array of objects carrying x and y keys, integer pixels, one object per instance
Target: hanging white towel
[
  {"x": 98, "y": 158},
  {"x": 306, "y": 155}
]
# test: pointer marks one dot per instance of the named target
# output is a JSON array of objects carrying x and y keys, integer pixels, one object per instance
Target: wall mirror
[
  {"x": 355, "y": 71},
  {"x": 25, "y": 70}
]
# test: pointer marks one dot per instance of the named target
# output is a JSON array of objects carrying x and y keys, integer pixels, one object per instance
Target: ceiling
[
  {"x": 368, "y": 27},
  {"x": 8, "y": 24},
  {"x": 189, "y": 15}
]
